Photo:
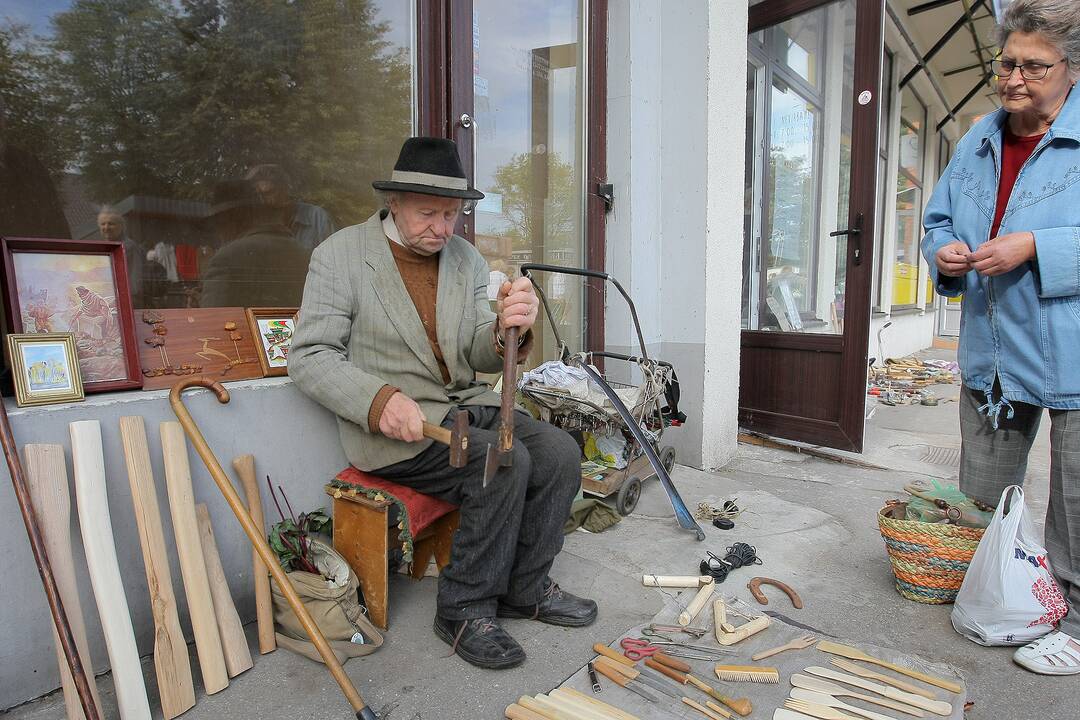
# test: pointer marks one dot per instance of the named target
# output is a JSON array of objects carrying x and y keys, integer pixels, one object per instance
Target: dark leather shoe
[
  {"x": 556, "y": 607},
  {"x": 481, "y": 642}
]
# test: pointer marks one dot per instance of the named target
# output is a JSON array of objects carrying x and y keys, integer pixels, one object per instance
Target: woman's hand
[
  {"x": 1003, "y": 254},
  {"x": 952, "y": 260}
]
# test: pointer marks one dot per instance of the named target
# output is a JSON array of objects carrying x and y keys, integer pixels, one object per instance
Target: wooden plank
[
  {"x": 233, "y": 642},
  {"x": 197, "y": 338},
  {"x": 96, "y": 526},
  {"x": 244, "y": 465},
  {"x": 192, "y": 565},
  {"x": 46, "y": 472},
  {"x": 172, "y": 666}
]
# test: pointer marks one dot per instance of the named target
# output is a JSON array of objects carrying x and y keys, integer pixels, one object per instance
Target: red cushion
[{"x": 422, "y": 510}]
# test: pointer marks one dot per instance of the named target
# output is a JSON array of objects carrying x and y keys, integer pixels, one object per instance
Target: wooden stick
[
  {"x": 705, "y": 711},
  {"x": 547, "y": 709},
  {"x": 244, "y": 465},
  {"x": 233, "y": 642},
  {"x": 46, "y": 470},
  {"x": 516, "y": 712},
  {"x": 96, "y": 526},
  {"x": 676, "y": 581},
  {"x": 192, "y": 565},
  {"x": 171, "y": 664},
  {"x": 615, "y": 712},
  {"x": 585, "y": 712},
  {"x": 258, "y": 540},
  {"x": 687, "y": 616},
  {"x": 601, "y": 649}
]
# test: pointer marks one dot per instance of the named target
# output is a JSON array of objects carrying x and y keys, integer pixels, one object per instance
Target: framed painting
[
  {"x": 44, "y": 368},
  {"x": 272, "y": 329},
  {"x": 80, "y": 287}
]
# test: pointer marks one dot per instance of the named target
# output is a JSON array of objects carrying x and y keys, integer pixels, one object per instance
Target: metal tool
[
  {"x": 503, "y": 455},
  {"x": 654, "y": 630},
  {"x": 594, "y": 680},
  {"x": 674, "y": 648},
  {"x": 610, "y": 670},
  {"x": 456, "y": 438}
]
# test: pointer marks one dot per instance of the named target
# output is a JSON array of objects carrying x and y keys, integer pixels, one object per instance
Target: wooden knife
[{"x": 939, "y": 707}]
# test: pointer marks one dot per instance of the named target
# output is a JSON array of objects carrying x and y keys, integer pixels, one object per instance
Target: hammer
[
  {"x": 457, "y": 439},
  {"x": 503, "y": 455}
]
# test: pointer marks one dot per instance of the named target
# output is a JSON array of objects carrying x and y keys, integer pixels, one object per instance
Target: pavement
[{"x": 813, "y": 522}]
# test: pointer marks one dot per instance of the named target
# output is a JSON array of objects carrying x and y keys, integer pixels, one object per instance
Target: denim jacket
[{"x": 1023, "y": 327}]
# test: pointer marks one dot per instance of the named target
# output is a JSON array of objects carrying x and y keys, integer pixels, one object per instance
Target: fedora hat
[{"x": 429, "y": 166}]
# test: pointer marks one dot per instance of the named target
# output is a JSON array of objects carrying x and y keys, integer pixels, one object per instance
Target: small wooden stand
[{"x": 362, "y": 537}]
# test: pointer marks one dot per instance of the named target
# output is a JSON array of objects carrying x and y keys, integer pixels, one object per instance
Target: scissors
[{"x": 638, "y": 648}]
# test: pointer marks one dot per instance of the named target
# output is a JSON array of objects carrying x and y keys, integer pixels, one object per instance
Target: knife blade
[{"x": 938, "y": 707}]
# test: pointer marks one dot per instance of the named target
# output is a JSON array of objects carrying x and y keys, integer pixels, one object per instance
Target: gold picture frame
[
  {"x": 45, "y": 368},
  {"x": 271, "y": 330}
]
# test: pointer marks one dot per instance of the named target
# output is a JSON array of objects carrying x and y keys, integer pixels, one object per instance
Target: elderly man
[
  {"x": 112, "y": 226},
  {"x": 394, "y": 326}
]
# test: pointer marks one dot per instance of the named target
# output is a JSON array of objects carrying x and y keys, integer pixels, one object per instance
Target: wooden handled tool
[
  {"x": 940, "y": 707},
  {"x": 854, "y": 654},
  {"x": 679, "y": 677},
  {"x": 48, "y": 486},
  {"x": 611, "y": 654},
  {"x": 255, "y": 535},
  {"x": 82, "y": 680},
  {"x": 609, "y": 670},
  {"x": 244, "y": 465},
  {"x": 719, "y": 714},
  {"x": 807, "y": 682},
  {"x": 192, "y": 564},
  {"x": 503, "y": 455},
  {"x": 171, "y": 664},
  {"x": 457, "y": 439},
  {"x": 98, "y": 544},
  {"x": 233, "y": 642}
]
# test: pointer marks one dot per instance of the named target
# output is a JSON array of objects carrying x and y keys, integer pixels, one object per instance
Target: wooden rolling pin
[{"x": 676, "y": 581}]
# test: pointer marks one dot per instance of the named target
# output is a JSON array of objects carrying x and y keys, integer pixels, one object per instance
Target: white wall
[{"x": 675, "y": 146}]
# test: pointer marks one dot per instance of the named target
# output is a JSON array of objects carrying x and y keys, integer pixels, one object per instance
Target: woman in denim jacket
[{"x": 1003, "y": 230}]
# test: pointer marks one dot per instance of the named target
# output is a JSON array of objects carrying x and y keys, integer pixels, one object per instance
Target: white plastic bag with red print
[{"x": 1009, "y": 595}]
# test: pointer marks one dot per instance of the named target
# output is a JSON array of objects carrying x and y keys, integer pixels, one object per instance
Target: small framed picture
[
  {"x": 272, "y": 329},
  {"x": 45, "y": 368},
  {"x": 79, "y": 287}
]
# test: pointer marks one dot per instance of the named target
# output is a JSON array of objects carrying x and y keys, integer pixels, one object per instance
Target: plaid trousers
[
  {"x": 511, "y": 530},
  {"x": 991, "y": 460}
]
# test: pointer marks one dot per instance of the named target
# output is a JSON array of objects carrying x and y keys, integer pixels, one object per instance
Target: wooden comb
[{"x": 748, "y": 673}]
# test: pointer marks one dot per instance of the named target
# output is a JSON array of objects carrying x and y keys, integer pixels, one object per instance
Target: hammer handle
[{"x": 437, "y": 433}]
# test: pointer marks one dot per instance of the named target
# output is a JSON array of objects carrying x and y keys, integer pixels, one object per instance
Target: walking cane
[
  {"x": 254, "y": 533},
  {"x": 37, "y": 545}
]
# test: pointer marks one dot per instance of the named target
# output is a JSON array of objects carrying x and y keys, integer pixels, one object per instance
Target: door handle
[
  {"x": 468, "y": 122},
  {"x": 855, "y": 235}
]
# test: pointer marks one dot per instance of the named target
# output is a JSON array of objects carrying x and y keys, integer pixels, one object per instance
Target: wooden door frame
[
  {"x": 847, "y": 431},
  {"x": 444, "y": 61}
]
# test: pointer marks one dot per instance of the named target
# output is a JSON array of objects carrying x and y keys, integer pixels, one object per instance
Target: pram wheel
[
  {"x": 629, "y": 493},
  {"x": 667, "y": 457}
]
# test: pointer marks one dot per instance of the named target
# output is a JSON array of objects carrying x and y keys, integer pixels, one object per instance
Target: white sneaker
[{"x": 1050, "y": 655}]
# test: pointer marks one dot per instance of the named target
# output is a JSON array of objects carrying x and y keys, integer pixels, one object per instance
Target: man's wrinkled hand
[
  {"x": 517, "y": 305},
  {"x": 402, "y": 419},
  {"x": 1003, "y": 254},
  {"x": 952, "y": 260}
]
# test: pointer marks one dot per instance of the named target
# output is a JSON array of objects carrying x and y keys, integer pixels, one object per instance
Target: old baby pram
[{"x": 629, "y": 418}]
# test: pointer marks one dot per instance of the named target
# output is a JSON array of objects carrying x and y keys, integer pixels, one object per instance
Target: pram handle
[{"x": 582, "y": 272}]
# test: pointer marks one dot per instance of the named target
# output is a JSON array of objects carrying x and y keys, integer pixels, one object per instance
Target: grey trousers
[
  {"x": 510, "y": 531},
  {"x": 992, "y": 460}
]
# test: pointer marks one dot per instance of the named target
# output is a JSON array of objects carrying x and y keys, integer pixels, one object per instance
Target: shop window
[
  {"x": 221, "y": 141},
  {"x": 909, "y": 200},
  {"x": 883, "y": 200}
]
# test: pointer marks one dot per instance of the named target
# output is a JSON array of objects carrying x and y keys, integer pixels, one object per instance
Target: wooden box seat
[{"x": 361, "y": 534}]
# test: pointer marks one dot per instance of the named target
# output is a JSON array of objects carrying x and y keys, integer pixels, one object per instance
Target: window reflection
[
  {"x": 220, "y": 141},
  {"x": 909, "y": 199}
]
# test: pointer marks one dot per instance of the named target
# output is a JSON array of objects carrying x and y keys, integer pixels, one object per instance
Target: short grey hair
[
  {"x": 1058, "y": 21},
  {"x": 386, "y": 196}
]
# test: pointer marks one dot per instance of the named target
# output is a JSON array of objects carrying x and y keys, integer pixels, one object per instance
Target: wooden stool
[{"x": 362, "y": 537}]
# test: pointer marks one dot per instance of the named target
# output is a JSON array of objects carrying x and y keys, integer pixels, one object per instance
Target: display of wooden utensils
[
  {"x": 817, "y": 698},
  {"x": 258, "y": 539},
  {"x": 95, "y": 524},
  {"x": 743, "y": 706},
  {"x": 46, "y": 471},
  {"x": 815, "y": 684},
  {"x": 73, "y": 657},
  {"x": 938, "y": 707},
  {"x": 855, "y": 654},
  {"x": 621, "y": 676},
  {"x": 171, "y": 664},
  {"x": 244, "y": 465}
]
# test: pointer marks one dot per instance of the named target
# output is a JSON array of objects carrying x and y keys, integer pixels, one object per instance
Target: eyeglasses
[{"x": 1028, "y": 70}]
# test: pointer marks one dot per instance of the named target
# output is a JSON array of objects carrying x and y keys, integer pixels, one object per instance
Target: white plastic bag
[{"x": 1009, "y": 595}]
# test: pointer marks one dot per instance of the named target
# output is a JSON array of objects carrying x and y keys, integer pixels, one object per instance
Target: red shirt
[{"x": 1014, "y": 153}]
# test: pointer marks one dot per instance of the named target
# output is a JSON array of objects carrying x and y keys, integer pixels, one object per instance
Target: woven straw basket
[{"x": 928, "y": 559}]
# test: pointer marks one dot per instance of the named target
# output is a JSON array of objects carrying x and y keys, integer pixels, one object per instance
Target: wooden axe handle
[{"x": 509, "y": 390}]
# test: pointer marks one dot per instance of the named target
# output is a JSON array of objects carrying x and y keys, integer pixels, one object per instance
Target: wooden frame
[
  {"x": 63, "y": 343},
  {"x": 271, "y": 354},
  {"x": 110, "y": 327}
]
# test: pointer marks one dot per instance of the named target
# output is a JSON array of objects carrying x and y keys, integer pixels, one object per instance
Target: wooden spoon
[{"x": 829, "y": 688}]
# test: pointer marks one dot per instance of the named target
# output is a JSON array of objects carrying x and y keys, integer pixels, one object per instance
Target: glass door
[
  {"x": 811, "y": 159},
  {"x": 526, "y": 128}
]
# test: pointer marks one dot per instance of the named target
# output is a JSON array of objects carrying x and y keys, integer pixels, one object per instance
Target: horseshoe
[{"x": 755, "y": 590}]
